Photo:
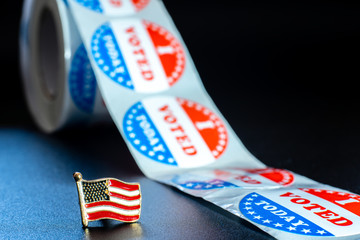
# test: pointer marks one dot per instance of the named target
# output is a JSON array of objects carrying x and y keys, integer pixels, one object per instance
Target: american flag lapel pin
[{"x": 108, "y": 198}]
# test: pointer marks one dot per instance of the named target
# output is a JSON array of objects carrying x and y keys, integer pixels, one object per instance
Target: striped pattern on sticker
[
  {"x": 82, "y": 81},
  {"x": 175, "y": 131},
  {"x": 114, "y": 7},
  {"x": 138, "y": 55}
]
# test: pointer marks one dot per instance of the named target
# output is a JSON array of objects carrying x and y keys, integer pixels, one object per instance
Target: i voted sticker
[
  {"x": 175, "y": 131},
  {"x": 310, "y": 212},
  {"x": 207, "y": 185},
  {"x": 264, "y": 177},
  {"x": 82, "y": 81},
  {"x": 138, "y": 55},
  {"x": 234, "y": 178},
  {"x": 114, "y": 7}
]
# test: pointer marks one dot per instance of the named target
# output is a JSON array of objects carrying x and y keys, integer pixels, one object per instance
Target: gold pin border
[{"x": 79, "y": 179}]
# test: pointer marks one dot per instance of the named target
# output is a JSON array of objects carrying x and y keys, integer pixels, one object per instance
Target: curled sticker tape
[
  {"x": 79, "y": 55},
  {"x": 235, "y": 178}
]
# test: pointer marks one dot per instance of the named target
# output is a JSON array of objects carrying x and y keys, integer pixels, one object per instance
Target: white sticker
[
  {"x": 138, "y": 55},
  {"x": 306, "y": 211},
  {"x": 175, "y": 131},
  {"x": 234, "y": 178}
]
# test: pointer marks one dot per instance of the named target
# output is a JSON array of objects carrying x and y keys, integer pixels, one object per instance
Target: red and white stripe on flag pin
[{"x": 108, "y": 198}]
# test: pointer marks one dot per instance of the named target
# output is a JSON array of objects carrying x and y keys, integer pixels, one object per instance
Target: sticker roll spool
[{"x": 59, "y": 82}]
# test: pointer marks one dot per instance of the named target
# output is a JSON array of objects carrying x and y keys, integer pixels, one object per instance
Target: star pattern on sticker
[
  {"x": 306, "y": 231},
  {"x": 136, "y": 135},
  {"x": 118, "y": 73},
  {"x": 93, "y": 5},
  {"x": 204, "y": 185},
  {"x": 291, "y": 228},
  {"x": 259, "y": 214}
]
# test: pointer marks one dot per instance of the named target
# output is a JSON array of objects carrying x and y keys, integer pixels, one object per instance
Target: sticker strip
[{"x": 174, "y": 131}]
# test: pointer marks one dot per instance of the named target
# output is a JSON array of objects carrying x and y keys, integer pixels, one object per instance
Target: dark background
[{"x": 285, "y": 75}]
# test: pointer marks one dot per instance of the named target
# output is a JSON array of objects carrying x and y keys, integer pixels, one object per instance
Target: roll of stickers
[
  {"x": 79, "y": 55},
  {"x": 60, "y": 85}
]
